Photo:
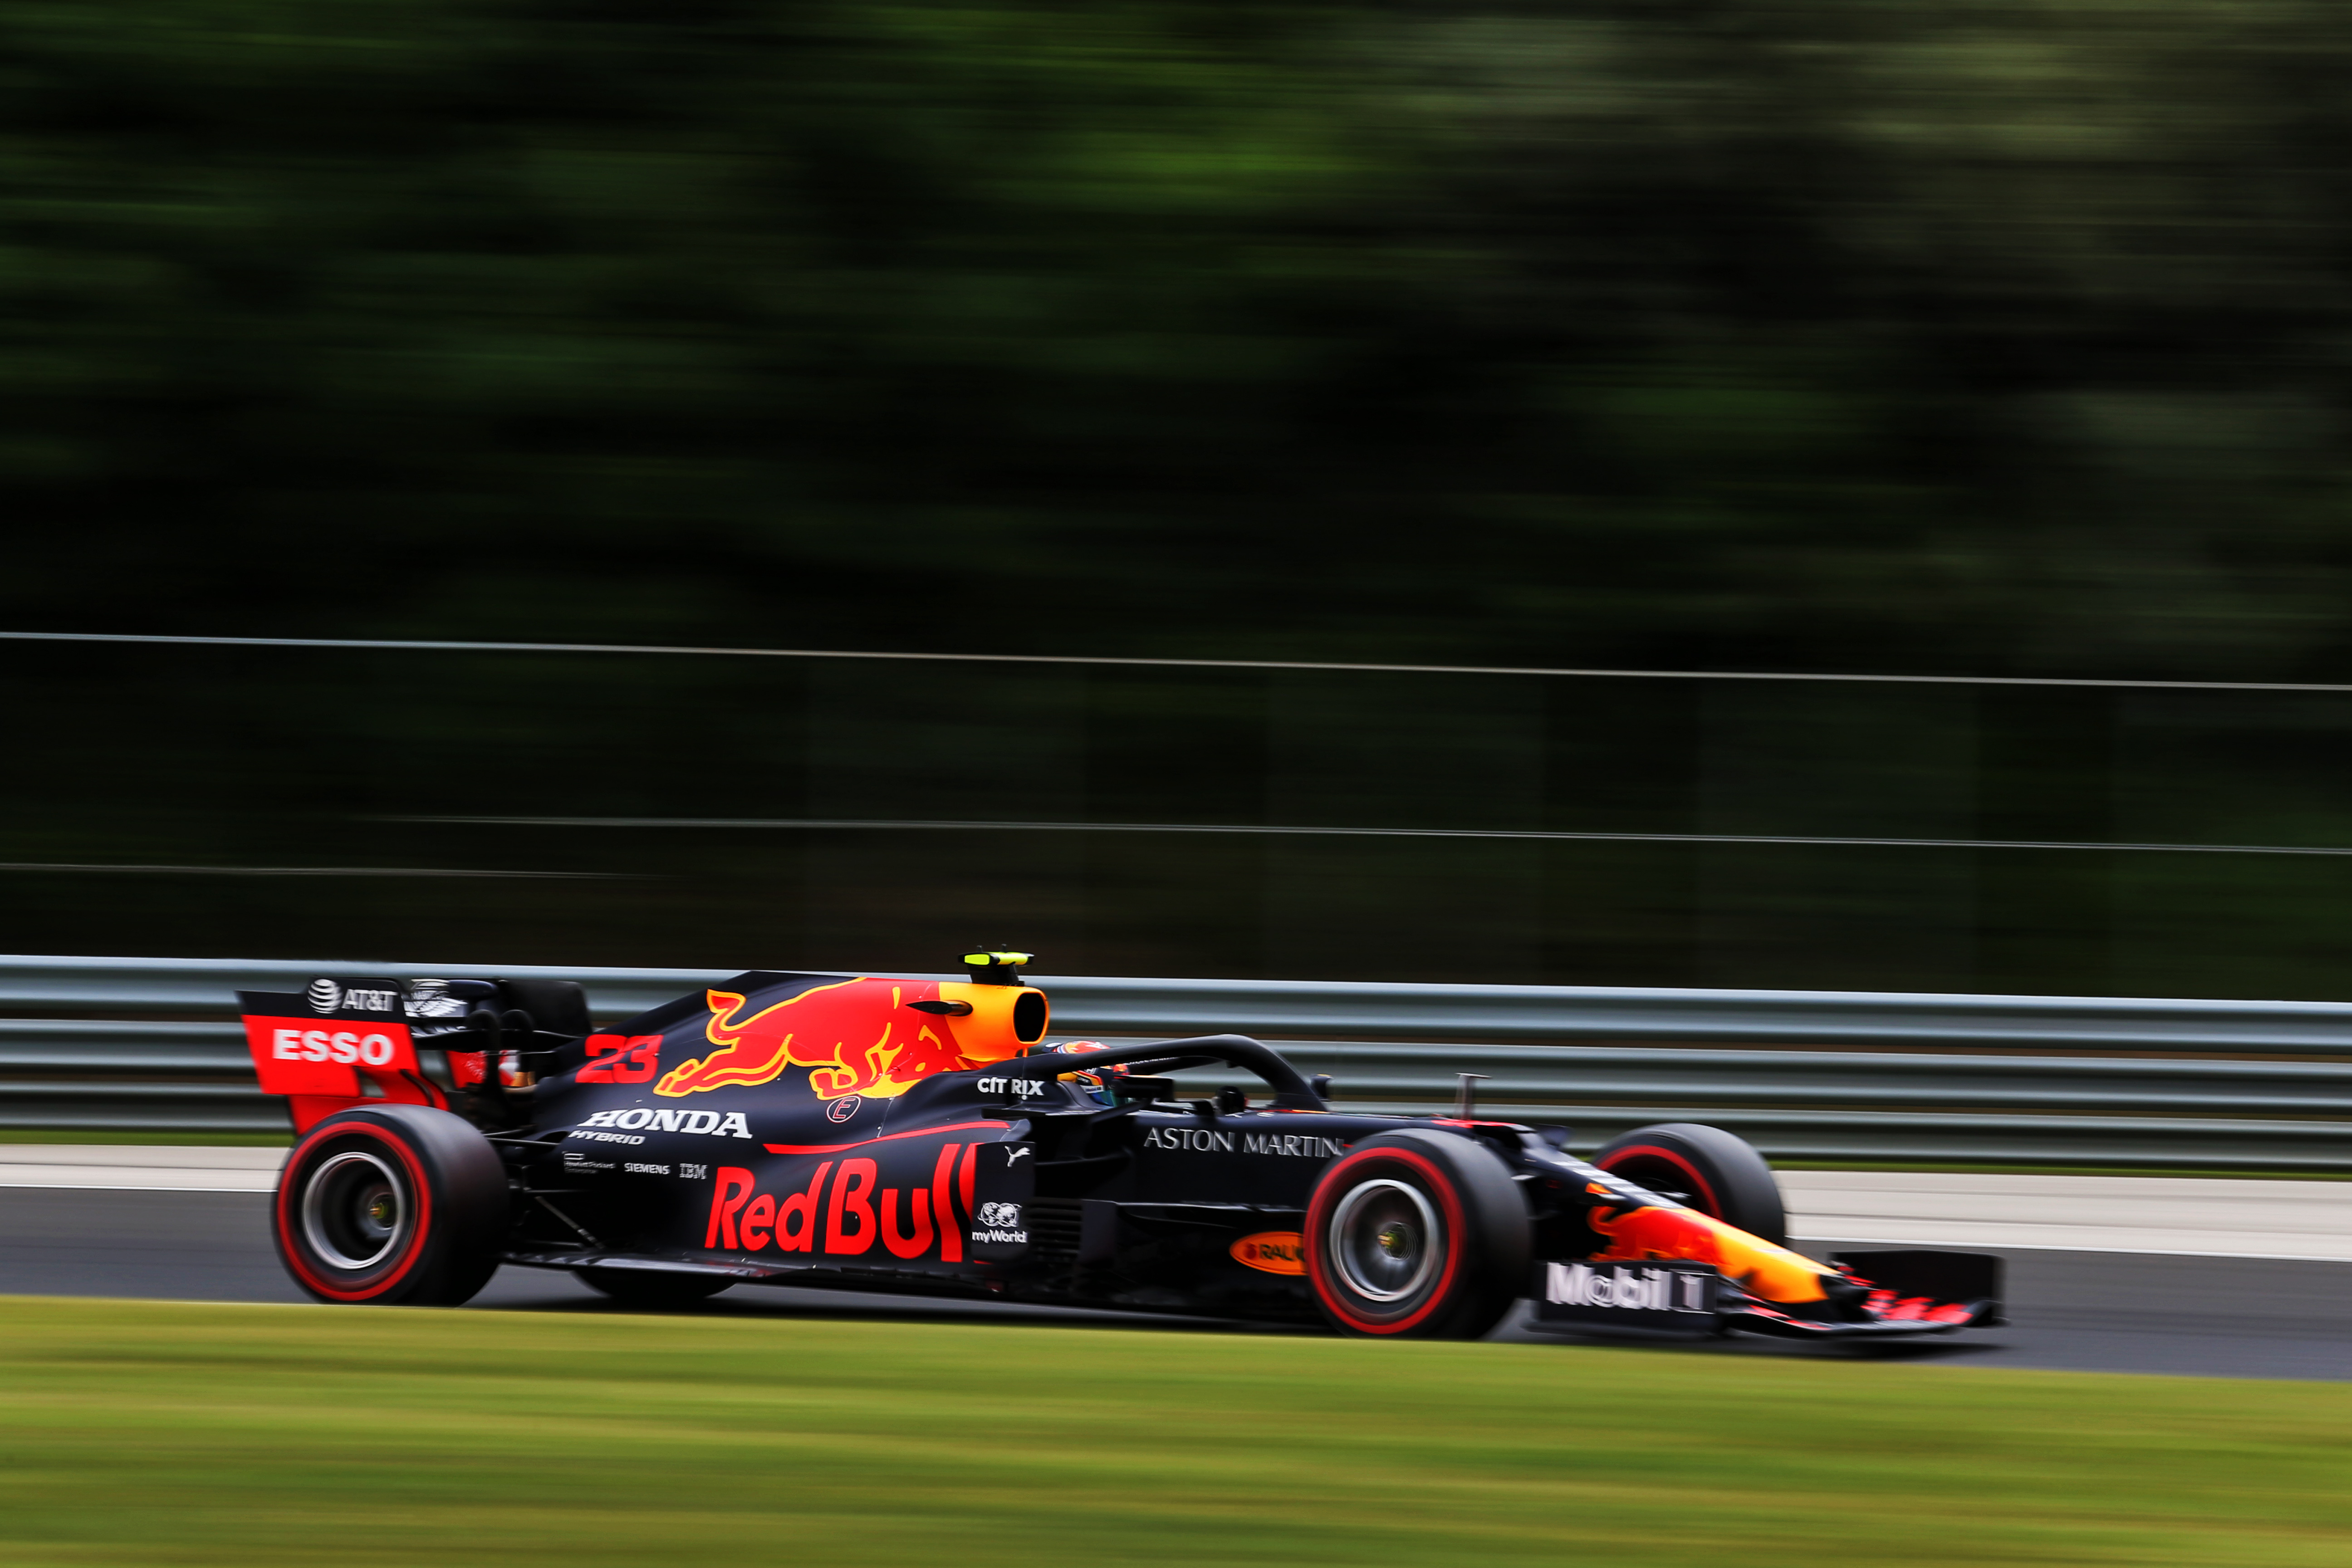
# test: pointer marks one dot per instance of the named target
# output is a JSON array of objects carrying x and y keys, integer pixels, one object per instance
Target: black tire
[
  {"x": 1717, "y": 1172},
  {"x": 558, "y": 1006},
  {"x": 392, "y": 1206},
  {"x": 652, "y": 1288},
  {"x": 1417, "y": 1234}
]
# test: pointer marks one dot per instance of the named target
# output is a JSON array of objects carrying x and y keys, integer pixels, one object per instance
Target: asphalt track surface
[{"x": 2093, "y": 1311}]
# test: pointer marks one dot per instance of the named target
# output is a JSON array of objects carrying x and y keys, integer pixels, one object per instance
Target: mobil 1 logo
[{"x": 1673, "y": 1298}]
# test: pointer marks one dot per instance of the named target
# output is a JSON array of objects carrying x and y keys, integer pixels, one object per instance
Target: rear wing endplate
[{"x": 344, "y": 1041}]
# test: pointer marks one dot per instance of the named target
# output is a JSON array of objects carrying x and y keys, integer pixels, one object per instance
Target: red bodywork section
[{"x": 322, "y": 1066}]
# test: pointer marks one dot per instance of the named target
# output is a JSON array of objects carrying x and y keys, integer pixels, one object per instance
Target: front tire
[
  {"x": 1417, "y": 1234},
  {"x": 1717, "y": 1172},
  {"x": 392, "y": 1206}
]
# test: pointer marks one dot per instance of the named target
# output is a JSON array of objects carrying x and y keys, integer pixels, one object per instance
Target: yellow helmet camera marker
[{"x": 995, "y": 967}]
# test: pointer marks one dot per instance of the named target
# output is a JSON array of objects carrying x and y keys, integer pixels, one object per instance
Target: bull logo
[
  {"x": 1650, "y": 1235},
  {"x": 857, "y": 1037}
]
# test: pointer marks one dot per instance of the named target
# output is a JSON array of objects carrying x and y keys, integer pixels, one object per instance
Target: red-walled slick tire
[
  {"x": 1417, "y": 1234},
  {"x": 1717, "y": 1172},
  {"x": 392, "y": 1206}
]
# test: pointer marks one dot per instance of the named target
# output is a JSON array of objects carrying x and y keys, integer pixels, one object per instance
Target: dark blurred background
[{"x": 1984, "y": 339}]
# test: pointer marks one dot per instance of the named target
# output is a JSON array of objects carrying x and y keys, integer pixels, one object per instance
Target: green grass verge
[{"x": 165, "y": 1433}]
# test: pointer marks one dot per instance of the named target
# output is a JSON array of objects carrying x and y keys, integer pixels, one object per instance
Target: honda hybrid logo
[{"x": 708, "y": 1123}]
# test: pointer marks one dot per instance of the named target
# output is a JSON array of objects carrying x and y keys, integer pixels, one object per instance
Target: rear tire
[
  {"x": 1717, "y": 1172},
  {"x": 652, "y": 1288},
  {"x": 392, "y": 1206},
  {"x": 1417, "y": 1234}
]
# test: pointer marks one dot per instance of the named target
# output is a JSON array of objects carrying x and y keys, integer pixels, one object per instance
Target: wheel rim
[
  {"x": 355, "y": 1211},
  {"x": 1386, "y": 1239}
]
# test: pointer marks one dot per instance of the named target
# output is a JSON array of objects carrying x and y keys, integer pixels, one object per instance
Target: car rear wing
[{"x": 344, "y": 1041}]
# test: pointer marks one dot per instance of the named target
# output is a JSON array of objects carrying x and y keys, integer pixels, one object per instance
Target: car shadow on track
[
  {"x": 1938, "y": 1348},
  {"x": 560, "y": 1294}
]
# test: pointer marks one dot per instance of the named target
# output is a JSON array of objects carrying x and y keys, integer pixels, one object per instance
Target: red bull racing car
[{"x": 921, "y": 1136}]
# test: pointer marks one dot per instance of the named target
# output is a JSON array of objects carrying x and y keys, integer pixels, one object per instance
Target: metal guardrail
[
  {"x": 120, "y": 1045},
  {"x": 1546, "y": 1013}
]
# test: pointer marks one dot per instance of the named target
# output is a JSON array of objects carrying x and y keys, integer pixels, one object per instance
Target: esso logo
[{"x": 331, "y": 1046}]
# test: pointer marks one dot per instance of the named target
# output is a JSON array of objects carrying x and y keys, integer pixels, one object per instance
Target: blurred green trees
[
  {"x": 1987, "y": 338},
  {"x": 2004, "y": 338}
]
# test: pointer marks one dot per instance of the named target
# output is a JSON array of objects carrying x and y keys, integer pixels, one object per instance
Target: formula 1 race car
[{"x": 920, "y": 1136}]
